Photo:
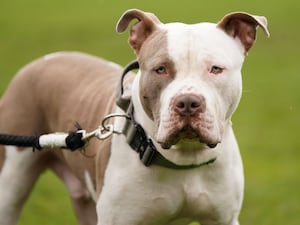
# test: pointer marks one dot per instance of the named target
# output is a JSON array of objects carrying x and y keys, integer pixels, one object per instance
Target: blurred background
[{"x": 265, "y": 123}]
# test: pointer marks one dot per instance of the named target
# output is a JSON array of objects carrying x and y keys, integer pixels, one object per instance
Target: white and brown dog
[{"x": 187, "y": 88}]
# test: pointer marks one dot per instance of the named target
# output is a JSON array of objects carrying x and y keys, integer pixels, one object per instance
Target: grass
[{"x": 266, "y": 121}]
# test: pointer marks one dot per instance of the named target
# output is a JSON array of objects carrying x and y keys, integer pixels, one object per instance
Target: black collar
[{"x": 136, "y": 136}]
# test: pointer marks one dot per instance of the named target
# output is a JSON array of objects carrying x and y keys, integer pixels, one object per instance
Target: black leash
[
  {"x": 20, "y": 141},
  {"x": 72, "y": 141}
]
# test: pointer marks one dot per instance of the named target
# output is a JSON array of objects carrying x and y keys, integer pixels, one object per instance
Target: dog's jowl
[{"x": 172, "y": 159}]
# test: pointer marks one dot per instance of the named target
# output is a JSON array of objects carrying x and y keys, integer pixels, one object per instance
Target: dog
[{"x": 186, "y": 167}]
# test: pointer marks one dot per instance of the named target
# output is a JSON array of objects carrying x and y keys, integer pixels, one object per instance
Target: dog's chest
[{"x": 157, "y": 193}]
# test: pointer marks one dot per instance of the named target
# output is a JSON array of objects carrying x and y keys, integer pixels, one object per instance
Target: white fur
[
  {"x": 134, "y": 194},
  {"x": 89, "y": 185},
  {"x": 14, "y": 177},
  {"x": 205, "y": 46}
]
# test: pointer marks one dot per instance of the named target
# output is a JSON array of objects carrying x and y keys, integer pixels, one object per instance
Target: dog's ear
[
  {"x": 243, "y": 26},
  {"x": 139, "y": 32}
]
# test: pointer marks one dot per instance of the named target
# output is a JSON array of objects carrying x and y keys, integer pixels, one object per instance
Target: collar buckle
[
  {"x": 138, "y": 141},
  {"x": 147, "y": 152}
]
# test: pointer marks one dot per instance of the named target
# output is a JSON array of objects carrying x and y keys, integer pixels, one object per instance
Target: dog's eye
[
  {"x": 161, "y": 70},
  {"x": 216, "y": 70}
]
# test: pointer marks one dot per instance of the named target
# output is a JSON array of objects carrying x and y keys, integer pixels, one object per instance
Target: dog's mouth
[{"x": 190, "y": 137}]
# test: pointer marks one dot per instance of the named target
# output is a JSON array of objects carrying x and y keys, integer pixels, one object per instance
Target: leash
[
  {"x": 135, "y": 134},
  {"x": 73, "y": 140}
]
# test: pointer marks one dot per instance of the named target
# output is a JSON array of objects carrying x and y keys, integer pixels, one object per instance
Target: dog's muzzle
[{"x": 188, "y": 119}]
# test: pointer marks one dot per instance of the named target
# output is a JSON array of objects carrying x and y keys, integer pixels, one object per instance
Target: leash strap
[
  {"x": 21, "y": 141},
  {"x": 72, "y": 140}
]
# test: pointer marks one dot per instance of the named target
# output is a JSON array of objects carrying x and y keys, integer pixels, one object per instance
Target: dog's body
[{"x": 184, "y": 95}]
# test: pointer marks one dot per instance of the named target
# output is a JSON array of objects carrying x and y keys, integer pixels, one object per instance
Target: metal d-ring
[{"x": 107, "y": 127}]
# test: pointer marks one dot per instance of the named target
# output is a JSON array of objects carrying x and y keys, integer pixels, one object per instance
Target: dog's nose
[{"x": 189, "y": 105}]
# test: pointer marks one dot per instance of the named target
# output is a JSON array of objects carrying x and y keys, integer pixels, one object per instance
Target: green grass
[{"x": 266, "y": 121}]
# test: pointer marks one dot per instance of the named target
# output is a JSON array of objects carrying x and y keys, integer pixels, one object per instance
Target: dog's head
[{"x": 190, "y": 80}]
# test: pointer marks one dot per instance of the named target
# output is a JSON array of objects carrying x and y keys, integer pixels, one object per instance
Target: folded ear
[
  {"x": 243, "y": 26},
  {"x": 147, "y": 23}
]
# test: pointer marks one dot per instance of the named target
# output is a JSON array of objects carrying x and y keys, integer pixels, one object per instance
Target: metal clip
[{"x": 104, "y": 132}]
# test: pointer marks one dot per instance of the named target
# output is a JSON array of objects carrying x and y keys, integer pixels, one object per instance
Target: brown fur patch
[{"x": 154, "y": 53}]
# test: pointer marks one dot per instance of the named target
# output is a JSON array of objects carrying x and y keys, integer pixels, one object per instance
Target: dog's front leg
[{"x": 134, "y": 194}]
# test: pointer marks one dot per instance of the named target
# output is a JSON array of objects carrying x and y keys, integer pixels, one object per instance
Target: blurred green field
[{"x": 265, "y": 123}]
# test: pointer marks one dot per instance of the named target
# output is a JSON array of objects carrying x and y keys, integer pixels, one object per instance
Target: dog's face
[
  {"x": 190, "y": 80},
  {"x": 191, "y": 86}
]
